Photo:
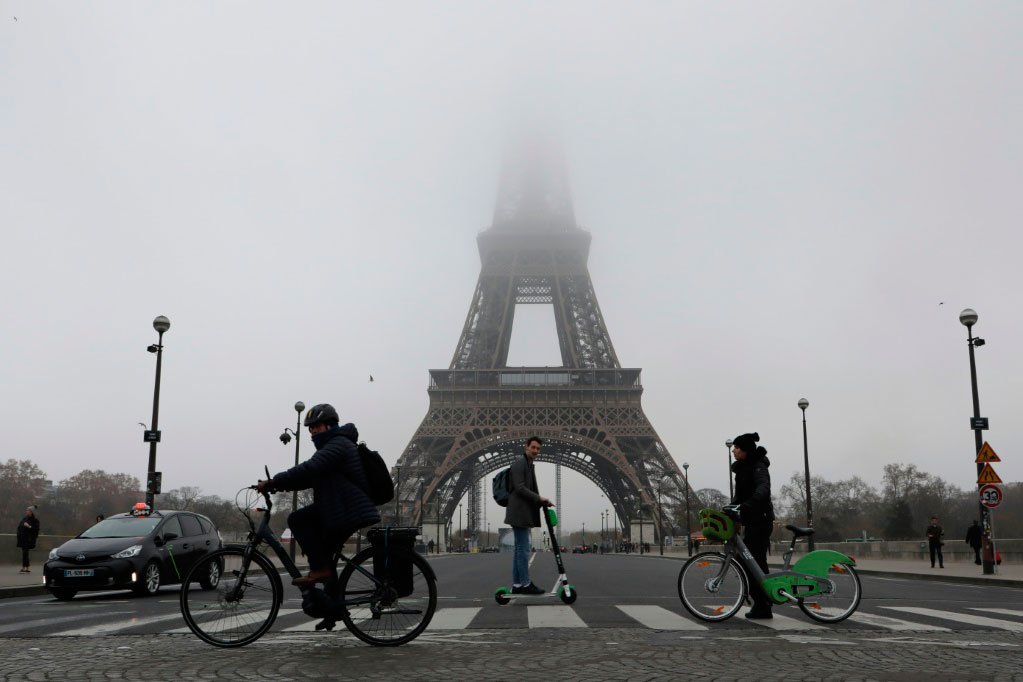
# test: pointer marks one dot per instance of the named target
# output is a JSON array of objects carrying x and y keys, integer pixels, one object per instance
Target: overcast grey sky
[{"x": 780, "y": 196}]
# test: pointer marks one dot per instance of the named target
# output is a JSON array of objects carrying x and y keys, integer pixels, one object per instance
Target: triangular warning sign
[
  {"x": 988, "y": 475},
  {"x": 987, "y": 454}
]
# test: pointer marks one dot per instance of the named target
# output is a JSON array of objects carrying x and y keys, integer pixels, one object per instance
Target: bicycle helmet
[{"x": 322, "y": 414}]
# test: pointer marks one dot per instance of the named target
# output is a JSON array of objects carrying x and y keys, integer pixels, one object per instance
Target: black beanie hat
[{"x": 747, "y": 442}]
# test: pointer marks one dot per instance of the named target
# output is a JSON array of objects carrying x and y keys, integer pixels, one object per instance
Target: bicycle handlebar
[{"x": 732, "y": 510}]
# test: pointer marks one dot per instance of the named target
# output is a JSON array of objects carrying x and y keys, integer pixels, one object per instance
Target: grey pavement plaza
[
  {"x": 602, "y": 654},
  {"x": 627, "y": 625}
]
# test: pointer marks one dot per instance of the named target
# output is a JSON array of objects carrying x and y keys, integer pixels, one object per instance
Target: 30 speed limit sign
[{"x": 990, "y": 496}]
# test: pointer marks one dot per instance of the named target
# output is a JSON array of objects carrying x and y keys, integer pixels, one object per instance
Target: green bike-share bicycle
[{"x": 714, "y": 585}]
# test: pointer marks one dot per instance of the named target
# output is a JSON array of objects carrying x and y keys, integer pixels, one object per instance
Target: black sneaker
[
  {"x": 754, "y": 614},
  {"x": 516, "y": 589},
  {"x": 530, "y": 589}
]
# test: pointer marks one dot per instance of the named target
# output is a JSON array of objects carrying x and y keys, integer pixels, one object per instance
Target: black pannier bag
[{"x": 392, "y": 556}]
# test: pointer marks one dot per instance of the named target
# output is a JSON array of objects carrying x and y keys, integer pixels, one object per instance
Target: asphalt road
[{"x": 627, "y": 624}]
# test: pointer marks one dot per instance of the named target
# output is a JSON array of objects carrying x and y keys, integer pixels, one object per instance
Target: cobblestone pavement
[{"x": 594, "y": 654}]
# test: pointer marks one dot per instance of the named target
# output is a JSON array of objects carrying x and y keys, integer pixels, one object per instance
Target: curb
[
  {"x": 22, "y": 591},
  {"x": 961, "y": 579}
]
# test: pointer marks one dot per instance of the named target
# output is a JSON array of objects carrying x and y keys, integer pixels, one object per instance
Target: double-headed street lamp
[
  {"x": 285, "y": 439},
  {"x": 969, "y": 318},
  {"x": 803, "y": 404},
  {"x": 728, "y": 458},
  {"x": 161, "y": 324},
  {"x": 689, "y": 532}
]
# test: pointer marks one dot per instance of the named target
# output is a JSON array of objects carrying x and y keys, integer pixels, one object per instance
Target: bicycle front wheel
[
  {"x": 242, "y": 606},
  {"x": 712, "y": 587},
  {"x": 840, "y": 597},
  {"x": 391, "y": 612}
]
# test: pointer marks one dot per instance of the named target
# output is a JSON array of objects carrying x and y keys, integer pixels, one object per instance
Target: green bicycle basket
[{"x": 716, "y": 526}]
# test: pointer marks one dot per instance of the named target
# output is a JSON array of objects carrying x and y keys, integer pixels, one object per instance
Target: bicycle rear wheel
[
  {"x": 387, "y": 619},
  {"x": 841, "y": 601},
  {"x": 244, "y": 603},
  {"x": 710, "y": 589}
]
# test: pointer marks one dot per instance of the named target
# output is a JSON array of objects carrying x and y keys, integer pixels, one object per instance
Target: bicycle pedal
[{"x": 326, "y": 624}]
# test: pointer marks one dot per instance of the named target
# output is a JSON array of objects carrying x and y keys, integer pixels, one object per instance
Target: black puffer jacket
[
  {"x": 753, "y": 490},
  {"x": 338, "y": 481},
  {"x": 27, "y": 534}
]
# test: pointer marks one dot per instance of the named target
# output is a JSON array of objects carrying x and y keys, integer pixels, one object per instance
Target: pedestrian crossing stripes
[
  {"x": 90, "y": 623},
  {"x": 657, "y": 618},
  {"x": 965, "y": 618}
]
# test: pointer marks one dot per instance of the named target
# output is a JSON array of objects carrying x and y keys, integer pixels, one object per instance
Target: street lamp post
[
  {"x": 689, "y": 531},
  {"x": 161, "y": 324},
  {"x": 299, "y": 406},
  {"x": 969, "y": 318},
  {"x": 640, "y": 506},
  {"x": 728, "y": 458},
  {"x": 660, "y": 514},
  {"x": 615, "y": 539},
  {"x": 397, "y": 495},
  {"x": 803, "y": 404},
  {"x": 607, "y": 528},
  {"x": 461, "y": 538},
  {"x": 584, "y": 535}
]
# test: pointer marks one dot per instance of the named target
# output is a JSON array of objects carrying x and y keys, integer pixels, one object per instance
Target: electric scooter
[{"x": 562, "y": 590}]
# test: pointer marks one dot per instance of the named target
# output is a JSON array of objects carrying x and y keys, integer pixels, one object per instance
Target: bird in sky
[
  {"x": 371, "y": 377},
  {"x": 941, "y": 303}
]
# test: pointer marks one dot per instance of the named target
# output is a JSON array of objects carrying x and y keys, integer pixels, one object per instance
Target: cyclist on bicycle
[
  {"x": 340, "y": 503},
  {"x": 753, "y": 495}
]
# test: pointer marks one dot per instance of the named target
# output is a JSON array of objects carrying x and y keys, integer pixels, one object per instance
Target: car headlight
[
  {"x": 128, "y": 553},
  {"x": 53, "y": 555}
]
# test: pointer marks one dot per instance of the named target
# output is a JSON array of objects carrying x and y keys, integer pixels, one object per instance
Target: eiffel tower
[{"x": 587, "y": 411}]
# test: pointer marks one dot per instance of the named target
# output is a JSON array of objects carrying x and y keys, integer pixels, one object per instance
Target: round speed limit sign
[{"x": 990, "y": 496}]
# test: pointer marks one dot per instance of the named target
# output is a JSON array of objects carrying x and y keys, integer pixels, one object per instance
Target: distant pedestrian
[
  {"x": 974, "y": 536},
  {"x": 28, "y": 532},
  {"x": 934, "y": 533},
  {"x": 429, "y": 546},
  {"x": 99, "y": 517}
]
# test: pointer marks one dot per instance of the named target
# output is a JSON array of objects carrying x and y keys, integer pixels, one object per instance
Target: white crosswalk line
[
  {"x": 658, "y": 618},
  {"x": 108, "y": 628},
  {"x": 26, "y": 624},
  {"x": 213, "y": 624},
  {"x": 553, "y": 617},
  {"x": 893, "y": 623},
  {"x": 784, "y": 623},
  {"x": 966, "y": 618},
  {"x": 454, "y": 618},
  {"x": 1004, "y": 612}
]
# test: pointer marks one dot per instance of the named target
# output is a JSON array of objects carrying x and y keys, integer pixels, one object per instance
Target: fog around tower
[{"x": 785, "y": 201}]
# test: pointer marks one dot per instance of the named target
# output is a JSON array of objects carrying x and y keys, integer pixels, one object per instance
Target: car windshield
[{"x": 123, "y": 527}]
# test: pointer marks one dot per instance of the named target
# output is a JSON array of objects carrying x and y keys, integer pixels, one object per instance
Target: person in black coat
[
  {"x": 753, "y": 495},
  {"x": 340, "y": 505},
  {"x": 28, "y": 533},
  {"x": 974, "y": 536}
]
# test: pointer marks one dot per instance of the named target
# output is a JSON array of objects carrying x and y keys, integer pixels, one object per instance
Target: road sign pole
[{"x": 988, "y": 564}]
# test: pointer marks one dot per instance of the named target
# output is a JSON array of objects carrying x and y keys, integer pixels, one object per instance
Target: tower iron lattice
[{"x": 587, "y": 411}]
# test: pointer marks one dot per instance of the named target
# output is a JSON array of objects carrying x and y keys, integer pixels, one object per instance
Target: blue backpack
[{"x": 501, "y": 486}]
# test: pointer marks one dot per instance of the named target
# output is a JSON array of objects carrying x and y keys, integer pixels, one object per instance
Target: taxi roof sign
[
  {"x": 988, "y": 475},
  {"x": 987, "y": 454}
]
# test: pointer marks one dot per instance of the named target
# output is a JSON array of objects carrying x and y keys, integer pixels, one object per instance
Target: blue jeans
[{"x": 520, "y": 559}]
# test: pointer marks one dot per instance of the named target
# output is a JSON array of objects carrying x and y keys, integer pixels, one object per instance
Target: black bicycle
[{"x": 385, "y": 595}]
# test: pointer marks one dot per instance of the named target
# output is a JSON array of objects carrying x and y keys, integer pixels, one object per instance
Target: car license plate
[{"x": 79, "y": 573}]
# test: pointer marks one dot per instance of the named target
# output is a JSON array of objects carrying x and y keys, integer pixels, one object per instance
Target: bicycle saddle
[{"x": 800, "y": 532}]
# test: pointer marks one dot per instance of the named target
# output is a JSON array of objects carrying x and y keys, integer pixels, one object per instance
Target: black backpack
[
  {"x": 381, "y": 487},
  {"x": 501, "y": 487}
]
